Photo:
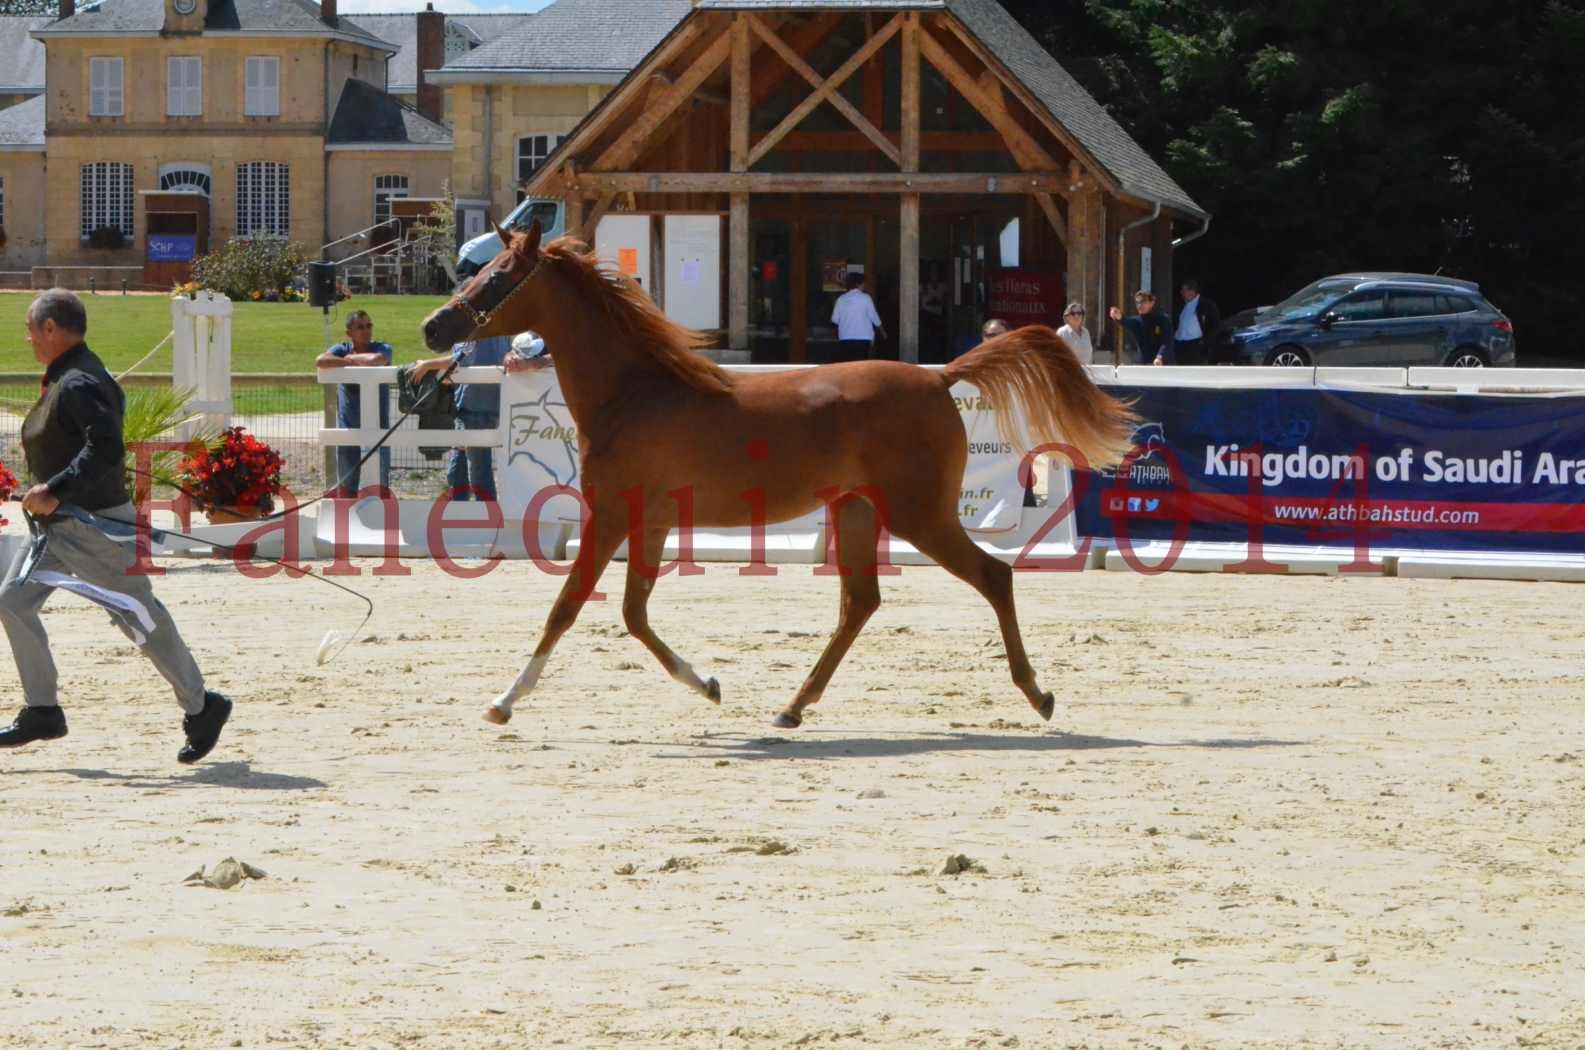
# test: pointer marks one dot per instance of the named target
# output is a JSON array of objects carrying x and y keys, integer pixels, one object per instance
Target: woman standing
[{"x": 1075, "y": 334}]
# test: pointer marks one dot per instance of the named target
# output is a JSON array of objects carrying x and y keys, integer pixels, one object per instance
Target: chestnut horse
[{"x": 879, "y": 443}]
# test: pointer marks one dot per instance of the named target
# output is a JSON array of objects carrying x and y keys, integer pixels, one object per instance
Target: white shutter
[
  {"x": 175, "y": 93},
  {"x": 194, "y": 88},
  {"x": 96, "y": 86},
  {"x": 113, "y": 93},
  {"x": 272, "y": 86},
  {"x": 263, "y": 92},
  {"x": 250, "y": 104}
]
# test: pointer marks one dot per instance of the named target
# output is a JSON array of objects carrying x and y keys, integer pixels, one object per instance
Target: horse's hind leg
[
  {"x": 944, "y": 542},
  {"x": 594, "y": 555},
  {"x": 641, "y": 576},
  {"x": 861, "y": 596}
]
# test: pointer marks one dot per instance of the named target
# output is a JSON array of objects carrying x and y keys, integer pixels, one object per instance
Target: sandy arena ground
[{"x": 1271, "y": 812}]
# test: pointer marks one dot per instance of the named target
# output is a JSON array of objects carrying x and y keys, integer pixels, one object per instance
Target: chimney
[
  {"x": 431, "y": 55},
  {"x": 68, "y": 8},
  {"x": 327, "y": 12}
]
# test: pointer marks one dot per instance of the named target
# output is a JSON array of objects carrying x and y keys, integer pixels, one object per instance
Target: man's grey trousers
[{"x": 85, "y": 561}]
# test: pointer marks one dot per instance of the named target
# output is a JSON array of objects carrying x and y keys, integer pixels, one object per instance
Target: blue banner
[
  {"x": 1346, "y": 468},
  {"x": 172, "y": 247}
]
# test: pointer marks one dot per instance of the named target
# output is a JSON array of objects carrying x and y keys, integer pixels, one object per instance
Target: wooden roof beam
[
  {"x": 635, "y": 138},
  {"x": 1029, "y": 153},
  {"x": 826, "y": 90},
  {"x": 602, "y": 182}
]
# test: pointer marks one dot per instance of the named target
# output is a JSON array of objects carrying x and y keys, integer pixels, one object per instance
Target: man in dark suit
[{"x": 1197, "y": 324}]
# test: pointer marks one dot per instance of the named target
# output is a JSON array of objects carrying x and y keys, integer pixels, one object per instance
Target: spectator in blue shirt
[
  {"x": 470, "y": 473},
  {"x": 358, "y": 350}
]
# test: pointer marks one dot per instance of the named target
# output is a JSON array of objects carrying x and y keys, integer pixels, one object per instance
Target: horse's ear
[
  {"x": 535, "y": 232},
  {"x": 506, "y": 238}
]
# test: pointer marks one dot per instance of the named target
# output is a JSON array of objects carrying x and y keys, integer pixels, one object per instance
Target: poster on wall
[
  {"x": 624, "y": 241},
  {"x": 833, "y": 274},
  {"x": 1022, "y": 297}
]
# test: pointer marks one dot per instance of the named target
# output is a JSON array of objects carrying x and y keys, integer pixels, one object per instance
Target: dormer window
[
  {"x": 105, "y": 95},
  {"x": 184, "y": 86}
]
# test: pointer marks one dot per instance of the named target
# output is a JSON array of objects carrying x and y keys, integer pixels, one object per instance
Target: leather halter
[{"x": 482, "y": 318}]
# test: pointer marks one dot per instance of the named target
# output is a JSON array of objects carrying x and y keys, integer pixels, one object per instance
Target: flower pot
[{"x": 234, "y": 515}]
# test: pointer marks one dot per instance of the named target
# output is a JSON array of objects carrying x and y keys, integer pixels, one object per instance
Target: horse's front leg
[
  {"x": 642, "y": 572},
  {"x": 599, "y": 545}
]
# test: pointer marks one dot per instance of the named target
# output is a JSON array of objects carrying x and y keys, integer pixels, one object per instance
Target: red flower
[
  {"x": 236, "y": 470},
  {"x": 8, "y": 486}
]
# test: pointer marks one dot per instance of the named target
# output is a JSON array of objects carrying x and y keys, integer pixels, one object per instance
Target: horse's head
[{"x": 481, "y": 307}]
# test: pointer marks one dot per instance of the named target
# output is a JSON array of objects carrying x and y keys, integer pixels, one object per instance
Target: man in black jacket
[
  {"x": 73, "y": 442},
  {"x": 1197, "y": 324},
  {"x": 1150, "y": 327}
]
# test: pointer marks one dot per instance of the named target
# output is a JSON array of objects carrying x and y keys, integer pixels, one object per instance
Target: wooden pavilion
[{"x": 932, "y": 143}]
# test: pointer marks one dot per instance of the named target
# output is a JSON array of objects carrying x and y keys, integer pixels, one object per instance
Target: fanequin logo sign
[{"x": 543, "y": 432}]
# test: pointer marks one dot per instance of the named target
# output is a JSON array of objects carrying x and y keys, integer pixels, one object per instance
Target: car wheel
[
  {"x": 1467, "y": 357},
  {"x": 1288, "y": 357}
]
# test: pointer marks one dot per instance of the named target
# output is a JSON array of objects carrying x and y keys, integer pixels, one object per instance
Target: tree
[
  {"x": 29, "y": 7},
  {"x": 1432, "y": 137},
  {"x": 435, "y": 235}
]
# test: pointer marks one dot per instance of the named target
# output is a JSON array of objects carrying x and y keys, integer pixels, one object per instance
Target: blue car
[{"x": 1374, "y": 319}]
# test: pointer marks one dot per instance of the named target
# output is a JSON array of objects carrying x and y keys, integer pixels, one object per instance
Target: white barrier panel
[
  {"x": 541, "y": 451},
  {"x": 537, "y": 446}
]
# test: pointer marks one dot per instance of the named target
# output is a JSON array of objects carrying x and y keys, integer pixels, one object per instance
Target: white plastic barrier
[{"x": 803, "y": 541}]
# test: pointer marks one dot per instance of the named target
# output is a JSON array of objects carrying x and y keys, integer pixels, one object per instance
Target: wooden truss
[{"x": 697, "y": 54}]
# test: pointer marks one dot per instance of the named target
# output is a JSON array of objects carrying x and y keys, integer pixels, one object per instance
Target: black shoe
[
  {"x": 34, "y": 723},
  {"x": 203, "y": 729}
]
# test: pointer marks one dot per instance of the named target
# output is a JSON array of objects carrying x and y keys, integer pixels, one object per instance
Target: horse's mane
[{"x": 636, "y": 318}]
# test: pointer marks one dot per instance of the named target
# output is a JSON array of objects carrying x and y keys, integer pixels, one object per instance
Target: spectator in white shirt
[
  {"x": 858, "y": 325},
  {"x": 1075, "y": 334}
]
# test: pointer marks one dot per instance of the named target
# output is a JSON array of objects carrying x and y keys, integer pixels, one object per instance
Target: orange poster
[{"x": 627, "y": 261}]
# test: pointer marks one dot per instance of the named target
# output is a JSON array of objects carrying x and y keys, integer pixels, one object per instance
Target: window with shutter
[
  {"x": 104, "y": 87},
  {"x": 184, "y": 86},
  {"x": 262, "y": 93}
]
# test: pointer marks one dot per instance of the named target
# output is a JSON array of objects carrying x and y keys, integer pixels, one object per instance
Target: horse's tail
[{"x": 1034, "y": 369}]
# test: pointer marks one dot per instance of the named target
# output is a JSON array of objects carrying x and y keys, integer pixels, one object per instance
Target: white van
[{"x": 477, "y": 253}]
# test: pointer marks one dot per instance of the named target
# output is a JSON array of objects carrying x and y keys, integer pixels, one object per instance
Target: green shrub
[{"x": 242, "y": 267}]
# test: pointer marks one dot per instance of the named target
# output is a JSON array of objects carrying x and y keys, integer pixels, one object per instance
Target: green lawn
[{"x": 265, "y": 337}]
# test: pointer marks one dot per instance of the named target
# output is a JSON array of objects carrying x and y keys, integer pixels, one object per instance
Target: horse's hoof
[
  {"x": 787, "y": 720},
  {"x": 497, "y": 716},
  {"x": 1048, "y": 706},
  {"x": 712, "y": 691}
]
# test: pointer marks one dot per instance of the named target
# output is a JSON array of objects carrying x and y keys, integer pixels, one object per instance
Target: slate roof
[
  {"x": 609, "y": 36},
  {"x": 278, "y": 17},
  {"x": 365, "y": 115},
  {"x": 23, "y": 124},
  {"x": 21, "y": 57},
  {"x": 401, "y": 32},
  {"x": 1111, "y": 147}
]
